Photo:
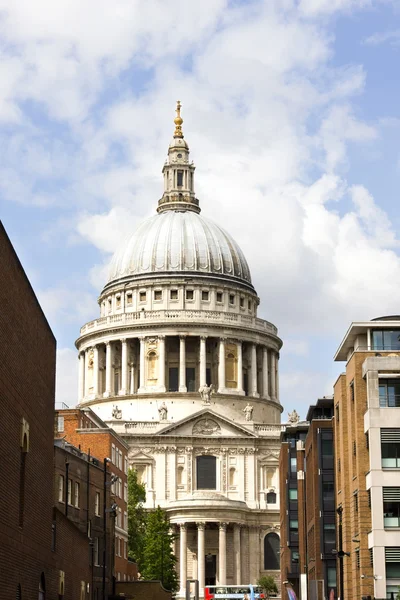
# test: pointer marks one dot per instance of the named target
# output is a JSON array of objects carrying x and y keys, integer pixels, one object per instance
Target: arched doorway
[{"x": 271, "y": 552}]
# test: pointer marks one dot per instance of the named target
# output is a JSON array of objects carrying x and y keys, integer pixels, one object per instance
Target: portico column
[
  {"x": 96, "y": 371},
  {"x": 124, "y": 366},
  {"x": 183, "y": 559},
  {"x": 254, "y": 391},
  {"x": 201, "y": 555},
  {"x": 142, "y": 365},
  {"x": 265, "y": 372},
  {"x": 203, "y": 372},
  {"x": 236, "y": 551},
  {"x": 239, "y": 367},
  {"x": 108, "y": 370},
  {"x": 272, "y": 375},
  {"x": 161, "y": 363},
  {"x": 81, "y": 375},
  {"x": 222, "y": 554},
  {"x": 221, "y": 367},
  {"x": 132, "y": 378},
  {"x": 182, "y": 363}
]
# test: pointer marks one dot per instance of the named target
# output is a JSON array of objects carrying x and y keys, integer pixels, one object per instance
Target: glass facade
[{"x": 386, "y": 339}]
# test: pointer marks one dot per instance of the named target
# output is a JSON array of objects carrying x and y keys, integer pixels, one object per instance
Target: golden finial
[{"x": 178, "y": 121}]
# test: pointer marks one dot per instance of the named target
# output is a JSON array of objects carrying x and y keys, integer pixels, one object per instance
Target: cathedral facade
[{"x": 179, "y": 364}]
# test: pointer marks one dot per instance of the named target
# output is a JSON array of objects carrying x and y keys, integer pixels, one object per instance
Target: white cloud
[
  {"x": 270, "y": 119},
  {"x": 382, "y": 37},
  {"x": 67, "y": 376}
]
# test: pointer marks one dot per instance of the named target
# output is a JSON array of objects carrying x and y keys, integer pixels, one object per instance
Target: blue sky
[{"x": 291, "y": 110}]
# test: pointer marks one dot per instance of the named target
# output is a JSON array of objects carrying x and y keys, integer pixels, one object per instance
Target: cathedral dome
[{"x": 173, "y": 242}]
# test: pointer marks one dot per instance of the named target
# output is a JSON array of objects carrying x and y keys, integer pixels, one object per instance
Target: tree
[
  {"x": 136, "y": 518},
  {"x": 158, "y": 558},
  {"x": 268, "y": 585}
]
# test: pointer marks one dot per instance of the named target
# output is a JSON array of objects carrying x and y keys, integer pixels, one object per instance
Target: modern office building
[
  {"x": 308, "y": 541},
  {"x": 367, "y": 447},
  {"x": 180, "y": 365}
]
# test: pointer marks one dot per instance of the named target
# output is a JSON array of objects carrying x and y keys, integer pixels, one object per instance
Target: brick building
[
  {"x": 307, "y": 500},
  {"x": 35, "y": 539},
  {"x": 367, "y": 447},
  {"x": 79, "y": 496},
  {"x": 85, "y": 430}
]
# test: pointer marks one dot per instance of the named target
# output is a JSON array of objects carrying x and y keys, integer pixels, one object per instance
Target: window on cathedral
[
  {"x": 179, "y": 178},
  {"x": 206, "y": 473},
  {"x": 219, "y": 296},
  {"x": 205, "y": 295},
  {"x": 142, "y": 296},
  {"x": 249, "y": 304},
  {"x": 129, "y": 298},
  {"x": 241, "y": 302},
  {"x": 189, "y": 294},
  {"x": 271, "y": 552},
  {"x": 157, "y": 295},
  {"x": 232, "y": 299},
  {"x": 271, "y": 498},
  {"x": 173, "y": 294}
]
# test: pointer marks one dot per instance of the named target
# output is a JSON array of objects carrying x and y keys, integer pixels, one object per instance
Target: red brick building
[
  {"x": 40, "y": 550},
  {"x": 85, "y": 430}
]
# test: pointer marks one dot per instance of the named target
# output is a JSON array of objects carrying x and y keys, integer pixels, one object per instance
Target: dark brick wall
[{"x": 27, "y": 386}]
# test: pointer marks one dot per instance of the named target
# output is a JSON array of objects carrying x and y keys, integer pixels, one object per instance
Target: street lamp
[{"x": 340, "y": 553}]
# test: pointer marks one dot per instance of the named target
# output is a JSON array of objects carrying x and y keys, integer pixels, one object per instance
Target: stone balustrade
[{"x": 178, "y": 316}]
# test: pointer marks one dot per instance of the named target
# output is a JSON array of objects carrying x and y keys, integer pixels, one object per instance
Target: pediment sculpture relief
[{"x": 206, "y": 427}]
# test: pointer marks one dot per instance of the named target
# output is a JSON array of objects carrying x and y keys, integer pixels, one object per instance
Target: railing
[
  {"x": 389, "y": 400},
  {"x": 270, "y": 430},
  {"x": 184, "y": 316},
  {"x": 141, "y": 425},
  {"x": 389, "y": 521}
]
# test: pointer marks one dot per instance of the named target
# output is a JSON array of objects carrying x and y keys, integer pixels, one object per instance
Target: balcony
[{"x": 140, "y": 318}]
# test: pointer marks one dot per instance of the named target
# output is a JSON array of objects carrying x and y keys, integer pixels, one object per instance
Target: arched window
[
  {"x": 42, "y": 588},
  {"x": 206, "y": 473},
  {"x": 271, "y": 552},
  {"x": 180, "y": 476},
  {"x": 271, "y": 498}
]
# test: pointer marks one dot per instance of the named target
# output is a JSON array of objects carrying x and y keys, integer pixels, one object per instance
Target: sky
[{"x": 291, "y": 110}]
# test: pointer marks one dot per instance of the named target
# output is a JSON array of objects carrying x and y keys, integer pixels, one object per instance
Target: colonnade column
[
  {"x": 272, "y": 378},
  {"x": 182, "y": 363},
  {"x": 236, "y": 552},
  {"x": 222, "y": 554},
  {"x": 277, "y": 377},
  {"x": 124, "y": 367},
  {"x": 96, "y": 371},
  {"x": 201, "y": 555},
  {"x": 132, "y": 378},
  {"x": 239, "y": 367},
  {"x": 203, "y": 368},
  {"x": 81, "y": 375},
  {"x": 254, "y": 391},
  {"x": 265, "y": 373},
  {"x": 107, "y": 392},
  {"x": 183, "y": 559},
  {"x": 221, "y": 367},
  {"x": 161, "y": 363},
  {"x": 142, "y": 365}
]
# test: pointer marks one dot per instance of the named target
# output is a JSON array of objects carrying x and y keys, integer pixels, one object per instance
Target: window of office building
[
  {"x": 386, "y": 339},
  {"x": 389, "y": 393},
  {"x": 391, "y": 507},
  {"x": 390, "y": 448}
]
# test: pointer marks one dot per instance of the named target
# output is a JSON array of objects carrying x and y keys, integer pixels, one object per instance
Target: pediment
[
  {"x": 141, "y": 456},
  {"x": 206, "y": 423}
]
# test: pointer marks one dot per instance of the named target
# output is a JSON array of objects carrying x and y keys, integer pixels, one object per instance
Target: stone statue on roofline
[
  {"x": 205, "y": 392},
  {"x": 294, "y": 417},
  {"x": 116, "y": 412},
  {"x": 163, "y": 412},
  {"x": 248, "y": 412}
]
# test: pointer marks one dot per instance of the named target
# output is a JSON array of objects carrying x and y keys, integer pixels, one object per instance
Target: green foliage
[
  {"x": 136, "y": 518},
  {"x": 158, "y": 558},
  {"x": 268, "y": 584}
]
